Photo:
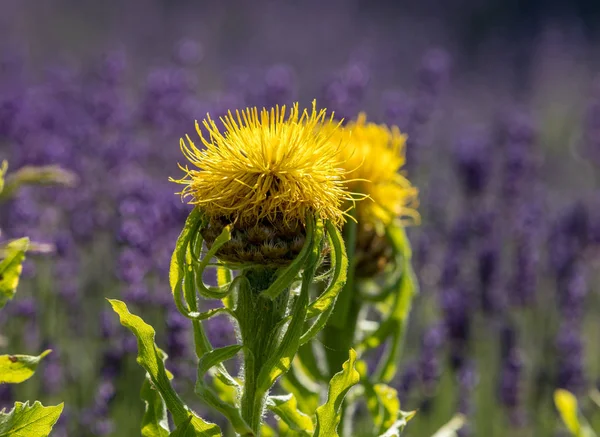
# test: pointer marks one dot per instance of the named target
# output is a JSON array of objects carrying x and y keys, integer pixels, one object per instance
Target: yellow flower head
[
  {"x": 266, "y": 165},
  {"x": 374, "y": 156}
]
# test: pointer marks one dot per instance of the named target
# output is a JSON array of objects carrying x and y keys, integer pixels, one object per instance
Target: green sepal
[
  {"x": 150, "y": 359},
  {"x": 26, "y": 420},
  {"x": 286, "y": 407},
  {"x": 15, "y": 369},
  {"x": 289, "y": 274},
  {"x": 12, "y": 255},
  {"x": 329, "y": 414}
]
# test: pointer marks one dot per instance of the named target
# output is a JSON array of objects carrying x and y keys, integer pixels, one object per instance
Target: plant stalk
[{"x": 259, "y": 321}]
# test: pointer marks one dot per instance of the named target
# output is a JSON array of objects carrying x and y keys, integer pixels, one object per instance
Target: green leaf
[
  {"x": 176, "y": 269},
  {"x": 212, "y": 292},
  {"x": 18, "y": 368},
  {"x": 29, "y": 421},
  {"x": 329, "y": 414},
  {"x": 12, "y": 256},
  {"x": 186, "y": 429},
  {"x": 323, "y": 306},
  {"x": 383, "y": 404},
  {"x": 339, "y": 260},
  {"x": 155, "y": 422},
  {"x": 286, "y": 407},
  {"x": 451, "y": 428},
  {"x": 212, "y": 398},
  {"x": 150, "y": 359},
  {"x": 566, "y": 404}
]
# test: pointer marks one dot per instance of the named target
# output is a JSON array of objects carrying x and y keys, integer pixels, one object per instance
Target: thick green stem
[{"x": 260, "y": 321}]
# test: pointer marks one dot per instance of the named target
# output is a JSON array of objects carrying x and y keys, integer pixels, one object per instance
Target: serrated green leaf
[
  {"x": 12, "y": 256},
  {"x": 451, "y": 428},
  {"x": 150, "y": 359},
  {"x": 18, "y": 368},
  {"x": 566, "y": 404},
  {"x": 29, "y": 421},
  {"x": 286, "y": 407},
  {"x": 155, "y": 422},
  {"x": 329, "y": 414}
]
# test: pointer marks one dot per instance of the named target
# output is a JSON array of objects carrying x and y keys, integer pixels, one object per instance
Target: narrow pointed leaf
[
  {"x": 329, "y": 414},
  {"x": 177, "y": 266},
  {"x": 150, "y": 359},
  {"x": 15, "y": 369},
  {"x": 26, "y": 420}
]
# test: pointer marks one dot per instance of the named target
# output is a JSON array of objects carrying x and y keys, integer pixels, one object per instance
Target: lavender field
[{"x": 502, "y": 116}]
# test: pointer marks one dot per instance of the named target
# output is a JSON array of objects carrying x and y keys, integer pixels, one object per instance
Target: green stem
[{"x": 259, "y": 322}]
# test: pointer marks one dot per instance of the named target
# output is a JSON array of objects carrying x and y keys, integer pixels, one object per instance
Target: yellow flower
[
  {"x": 374, "y": 157},
  {"x": 269, "y": 165}
]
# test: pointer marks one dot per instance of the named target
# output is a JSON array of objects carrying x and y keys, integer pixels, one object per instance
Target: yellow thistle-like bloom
[
  {"x": 269, "y": 165},
  {"x": 374, "y": 157}
]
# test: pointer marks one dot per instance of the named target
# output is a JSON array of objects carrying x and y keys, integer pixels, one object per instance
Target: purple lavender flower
[
  {"x": 569, "y": 350},
  {"x": 473, "y": 161},
  {"x": 429, "y": 364},
  {"x": 511, "y": 373}
]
